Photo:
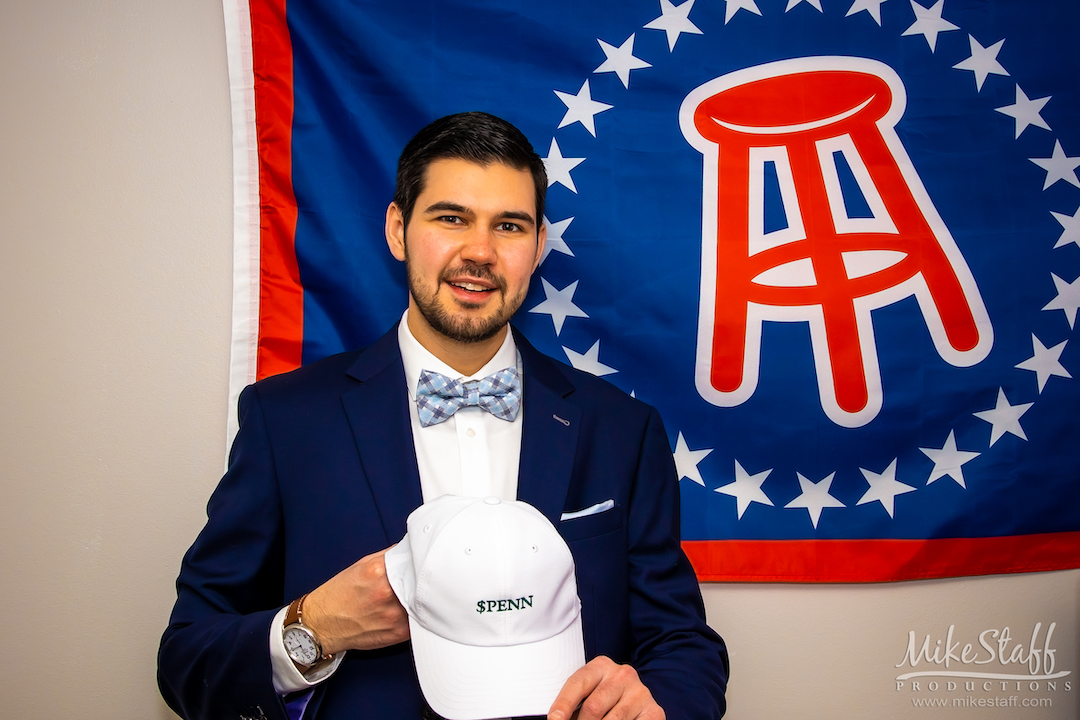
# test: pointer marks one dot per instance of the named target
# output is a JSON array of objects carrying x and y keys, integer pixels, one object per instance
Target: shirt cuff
[{"x": 287, "y": 679}]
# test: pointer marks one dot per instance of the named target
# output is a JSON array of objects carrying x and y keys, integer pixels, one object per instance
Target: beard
[{"x": 463, "y": 327}]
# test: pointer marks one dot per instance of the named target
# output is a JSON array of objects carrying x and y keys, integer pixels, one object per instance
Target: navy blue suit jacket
[{"x": 323, "y": 472}]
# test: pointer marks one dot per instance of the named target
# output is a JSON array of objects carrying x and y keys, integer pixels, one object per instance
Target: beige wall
[
  {"x": 115, "y": 201},
  {"x": 115, "y": 215}
]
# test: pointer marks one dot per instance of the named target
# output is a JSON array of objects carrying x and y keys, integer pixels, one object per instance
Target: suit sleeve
[
  {"x": 214, "y": 659},
  {"x": 682, "y": 661}
]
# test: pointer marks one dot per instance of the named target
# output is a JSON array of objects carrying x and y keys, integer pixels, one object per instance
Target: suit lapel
[
  {"x": 378, "y": 413},
  {"x": 549, "y": 434}
]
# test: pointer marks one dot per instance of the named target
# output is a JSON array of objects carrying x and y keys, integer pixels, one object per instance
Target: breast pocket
[
  {"x": 599, "y": 545},
  {"x": 601, "y": 523}
]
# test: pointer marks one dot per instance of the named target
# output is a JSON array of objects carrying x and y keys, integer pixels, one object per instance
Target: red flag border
[
  {"x": 879, "y": 560},
  {"x": 281, "y": 295}
]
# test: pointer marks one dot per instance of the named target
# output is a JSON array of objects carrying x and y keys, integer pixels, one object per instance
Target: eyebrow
[{"x": 447, "y": 206}]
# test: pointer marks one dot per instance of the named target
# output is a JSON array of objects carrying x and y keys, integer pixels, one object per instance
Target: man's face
[{"x": 469, "y": 248}]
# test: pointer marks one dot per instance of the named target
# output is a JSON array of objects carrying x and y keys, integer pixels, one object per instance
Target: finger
[
  {"x": 576, "y": 688},
  {"x": 617, "y": 693}
]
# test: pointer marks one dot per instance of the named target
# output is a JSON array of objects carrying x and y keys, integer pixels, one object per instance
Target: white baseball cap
[{"x": 493, "y": 607}]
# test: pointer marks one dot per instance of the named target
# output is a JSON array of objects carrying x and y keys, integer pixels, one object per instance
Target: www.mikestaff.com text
[{"x": 970, "y": 701}]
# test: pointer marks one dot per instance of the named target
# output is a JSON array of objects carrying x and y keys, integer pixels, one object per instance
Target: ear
[
  {"x": 541, "y": 241},
  {"x": 395, "y": 231}
]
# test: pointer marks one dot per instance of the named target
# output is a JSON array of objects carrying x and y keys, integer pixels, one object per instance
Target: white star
[
  {"x": 1058, "y": 167},
  {"x": 746, "y": 489},
  {"x": 983, "y": 61},
  {"x": 674, "y": 20},
  {"x": 873, "y": 7},
  {"x": 793, "y": 3},
  {"x": 686, "y": 461},
  {"x": 555, "y": 240},
  {"x": 1070, "y": 228},
  {"x": 928, "y": 22},
  {"x": 949, "y": 461},
  {"x": 1004, "y": 418},
  {"x": 1045, "y": 362},
  {"x": 815, "y": 497},
  {"x": 883, "y": 488},
  {"x": 590, "y": 361},
  {"x": 734, "y": 6},
  {"x": 581, "y": 108},
  {"x": 1025, "y": 112},
  {"x": 558, "y": 168},
  {"x": 559, "y": 304},
  {"x": 620, "y": 60},
  {"x": 1068, "y": 298}
]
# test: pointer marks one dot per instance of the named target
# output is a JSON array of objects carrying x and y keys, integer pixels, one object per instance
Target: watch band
[{"x": 292, "y": 615}]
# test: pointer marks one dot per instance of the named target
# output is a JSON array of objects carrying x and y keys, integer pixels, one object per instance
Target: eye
[
  {"x": 508, "y": 227},
  {"x": 450, "y": 219}
]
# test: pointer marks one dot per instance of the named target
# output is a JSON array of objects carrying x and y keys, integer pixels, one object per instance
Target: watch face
[{"x": 300, "y": 645}]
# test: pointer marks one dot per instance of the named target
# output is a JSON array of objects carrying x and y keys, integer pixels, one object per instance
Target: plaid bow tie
[{"x": 438, "y": 397}]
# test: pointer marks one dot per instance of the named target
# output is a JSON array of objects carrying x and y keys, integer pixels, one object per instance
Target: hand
[
  {"x": 357, "y": 609},
  {"x": 605, "y": 689}
]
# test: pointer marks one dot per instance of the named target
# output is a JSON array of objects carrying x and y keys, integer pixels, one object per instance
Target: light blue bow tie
[{"x": 439, "y": 397}]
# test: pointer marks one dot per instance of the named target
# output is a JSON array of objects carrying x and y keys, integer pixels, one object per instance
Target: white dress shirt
[{"x": 473, "y": 453}]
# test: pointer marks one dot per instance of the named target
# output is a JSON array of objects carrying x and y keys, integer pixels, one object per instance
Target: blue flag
[{"x": 835, "y": 242}]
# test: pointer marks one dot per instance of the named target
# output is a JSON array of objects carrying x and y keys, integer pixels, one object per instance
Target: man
[{"x": 330, "y": 460}]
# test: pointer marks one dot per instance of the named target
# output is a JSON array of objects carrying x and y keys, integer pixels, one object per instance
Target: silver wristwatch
[{"x": 301, "y": 644}]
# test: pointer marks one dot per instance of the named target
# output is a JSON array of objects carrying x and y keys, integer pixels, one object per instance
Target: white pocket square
[{"x": 592, "y": 510}]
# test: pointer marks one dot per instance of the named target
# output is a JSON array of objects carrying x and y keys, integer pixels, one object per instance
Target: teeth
[{"x": 471, "y": 286}]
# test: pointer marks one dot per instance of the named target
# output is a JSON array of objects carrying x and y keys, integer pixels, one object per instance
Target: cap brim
[{"x": 468, "y": 682}]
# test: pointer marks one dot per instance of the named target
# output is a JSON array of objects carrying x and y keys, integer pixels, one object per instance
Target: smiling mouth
[
  {"x": 473, "y": 279},
  {"x": 472, "y": 287}
]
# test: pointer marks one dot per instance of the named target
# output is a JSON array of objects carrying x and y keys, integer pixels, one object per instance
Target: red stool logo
[{"x": 825, "y": 268}]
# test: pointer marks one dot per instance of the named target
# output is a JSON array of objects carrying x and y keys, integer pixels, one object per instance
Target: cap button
[{"x": 492, "y": 500}]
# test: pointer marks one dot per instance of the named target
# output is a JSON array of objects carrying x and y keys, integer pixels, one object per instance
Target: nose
[{"x": 479, "y": 246}]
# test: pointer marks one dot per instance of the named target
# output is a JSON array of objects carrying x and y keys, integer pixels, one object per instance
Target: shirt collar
[{"x": 416, "y": 358}]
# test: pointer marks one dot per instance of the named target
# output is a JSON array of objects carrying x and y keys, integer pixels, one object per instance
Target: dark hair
[{"x": 474, "y": 136}]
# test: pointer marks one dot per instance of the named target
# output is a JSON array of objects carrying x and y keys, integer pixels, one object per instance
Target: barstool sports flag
[{"x": 835, "y": 242}]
